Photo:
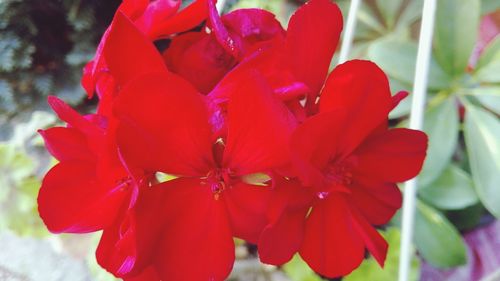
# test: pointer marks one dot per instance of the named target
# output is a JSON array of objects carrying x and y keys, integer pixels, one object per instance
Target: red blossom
[
  {"x": 174, "y": 136},
  {"x": 260, "y": 147},
  {"x": 350, "y": 162}
]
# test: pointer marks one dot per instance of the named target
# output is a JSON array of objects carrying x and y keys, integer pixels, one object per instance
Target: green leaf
[
  {"x": 411, "y": 13},
  {"x": 366, "y": 17},
  {"x": 490, "y": 53},
  {"x": 489, "y": 97},
  {"x": 468, "y": 218},
  {"x": 298, "y": 270},
  {"x": 437, "y": 240},
  {"x": 14, "y": 163},
  {"x": 451, "y": 191},
  {"x": 398, "y": 59},
  {"x": 488, "y": 66},
  {"x": 456, "y": 28},
  {"x": 489, "y": 73},
  {"x": 488, "y": 6},
  {"x": 482, "y": 137},
  {"x": 7, "y": 101},
  {"x": 43, "y": 83},
  {"x": 370, "y": 270},
  {"x": 389, "y": 10},
  {"x": 441, "y": 124}
]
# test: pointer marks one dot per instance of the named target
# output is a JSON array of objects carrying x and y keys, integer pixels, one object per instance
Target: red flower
[
  {"x": 222, "y": 105},
  {"x": 154, "y": 20},
  {"x": 92, "y": 198},
  {"x": 296, "y": 66},
  {"x": 92, "y": 188},
  {"x": 204, "y": 58},
  {"x": 350, "y": 161},
  {"x": 165, "y": 127}
]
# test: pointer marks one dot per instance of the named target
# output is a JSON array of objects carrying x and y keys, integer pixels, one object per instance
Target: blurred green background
[{"x": 44, "y": 45}]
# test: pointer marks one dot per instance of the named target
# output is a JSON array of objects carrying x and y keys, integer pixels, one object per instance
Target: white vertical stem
[
  {"x": 350, "y": 27},
  {"x": 416, "y": 122},
  {"x": 220, "y": 5}
]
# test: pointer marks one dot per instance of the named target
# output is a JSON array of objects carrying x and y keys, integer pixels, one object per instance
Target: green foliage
[
  {"x": 457, "y": 179},
  {"x": 19, "y": 177},
  {"x": 43, "y": 47},
  {"x": 456, "y": 29},
  {"x": 436, "y": 238},
  {"x": 401, "y": 65},
  {"x": 18, "y": 190},
  {"x": 371, "y": 270},
  {"x": 298, "y": 270},
  {"x": 482, "y": 135},
  {"x": 441, "y": 125},
  {"x": 452, "y": 190}
]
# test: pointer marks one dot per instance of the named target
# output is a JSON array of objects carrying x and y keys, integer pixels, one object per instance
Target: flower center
[
  {"x": 339, "y": 174},
  {"x": 123, "y": 184},
  {"x": 338, "y": 178},
  {"x": 218, "y": 180}
]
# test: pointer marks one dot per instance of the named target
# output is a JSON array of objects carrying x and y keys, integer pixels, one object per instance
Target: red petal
[
  {"x": 259, "y": 128},
  {"x": 288, "y": 208},
  {"x": 313, "y": 33},
  {"x": 402, "y": 152},
  {"x": 247, "y": 206},
  {"x": 250, "y": 26},
  {"x": 398, "y": 97},
  {"x": 199, "y": 58},
  {"x": 313, "y": 145},
  {"x": 66, "y": 144},
  {"x": 332, "y": 245},
  {"x": 133, "y": 8},
  {"x": 164, "y": 125},
  {"x": 87, "y": 80},
  {"x": 73, "y": 118},
  {"x": 72, "y": 199},
  {"x": 375, "y": 243},
  {"x": 362, "y": 89},
  {"x": 281, "y": 240},
  {"x": 220, "y": 31},
  {"x": 378, "y": 202},
  {"x": 156, "y": 12},
  {"x": 186, "y": 19},
  {"x": 197, "y": 243},
  {"x": 129, "y": 53},
  {"x": 127, "y": 247}
]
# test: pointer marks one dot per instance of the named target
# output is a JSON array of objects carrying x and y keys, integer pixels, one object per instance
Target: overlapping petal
[
  {"x": 312, "y": 37},
  {"x": 188, "y": 18},
  {"x": 376, "y": 201},
  {"x": 401, "y": 150},
  {"x": 199, "y": 58},
  {"x": 247, "y": 206},
  {"x": 362, "y": 89},
  {"x": 167, "y": 119},
  {"x": 197, "y": 243},
  {"x": 128, "y": 247},
  {"x": 314, "y": 143},
  {"x": 332, "y": 245},
  {"x": 80, "y": 203},
  {"x": 288, "y": 207},
  {"x": 66, "y": 144},
  {"x": 129, "y": 53},
  {"x": 259, "y": 127}
]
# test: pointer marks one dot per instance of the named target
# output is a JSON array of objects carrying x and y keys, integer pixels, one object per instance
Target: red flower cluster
[{"x": 260, "y": 147}]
